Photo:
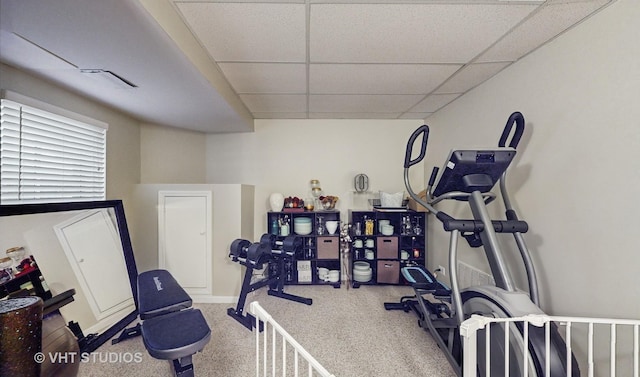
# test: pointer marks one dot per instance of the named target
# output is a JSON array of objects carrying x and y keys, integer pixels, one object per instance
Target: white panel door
[
  {"x": 94, "y": 250},
  {"x": 185, "y": 238}
]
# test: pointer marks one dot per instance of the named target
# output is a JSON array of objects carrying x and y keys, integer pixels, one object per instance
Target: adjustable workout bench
[
  {"x": 269, "y": 251},
  {"x": 171, "y": 328}
]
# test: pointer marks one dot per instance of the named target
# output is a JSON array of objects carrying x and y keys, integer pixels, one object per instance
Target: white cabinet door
[{"x": 184, "y": 234}]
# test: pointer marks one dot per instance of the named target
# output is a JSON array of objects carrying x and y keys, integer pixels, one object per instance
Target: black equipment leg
[
  {"x": 279, "y": 290},
  {"x": 183, "y": 367},
  {"x": 246, "y": 320},
  {"x": 275, "y": 282},
  {"x": 287, "y": 296},
  {"x": 128, "y": 333}
]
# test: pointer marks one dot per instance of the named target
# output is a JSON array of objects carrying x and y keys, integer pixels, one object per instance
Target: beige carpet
[{"x": 347, "y": 330}]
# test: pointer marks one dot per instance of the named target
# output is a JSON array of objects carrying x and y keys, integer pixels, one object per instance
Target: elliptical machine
[{"x": 469, "y": 176}]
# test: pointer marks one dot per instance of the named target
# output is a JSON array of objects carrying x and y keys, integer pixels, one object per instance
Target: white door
[
  {"x": 93, "y": 248},
  {"x": 184, "y": 235}
]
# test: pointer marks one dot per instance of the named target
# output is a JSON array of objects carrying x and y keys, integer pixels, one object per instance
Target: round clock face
[{"x": 361, "y": 182}]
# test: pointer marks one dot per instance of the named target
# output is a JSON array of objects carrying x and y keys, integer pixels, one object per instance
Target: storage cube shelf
[
  {"x": 387, "y": 253},
  {"x": 319, "y": 248}
]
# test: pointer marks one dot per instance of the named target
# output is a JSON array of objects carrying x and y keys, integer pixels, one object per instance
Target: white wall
[
  {"x": 284, "y": 155},
  {"x": 577, "y": 176}
]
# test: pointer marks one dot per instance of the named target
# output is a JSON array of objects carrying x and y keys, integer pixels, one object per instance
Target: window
[{"x": 48, "y": 156}]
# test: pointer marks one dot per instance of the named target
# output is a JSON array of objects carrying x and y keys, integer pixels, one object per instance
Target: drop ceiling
[{"x": 215, "y": 66}]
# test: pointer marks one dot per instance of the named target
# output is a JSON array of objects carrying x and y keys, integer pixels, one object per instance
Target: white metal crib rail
[
  {"x": 620, "y": 362},
  {"x": 274, "y": 333}
]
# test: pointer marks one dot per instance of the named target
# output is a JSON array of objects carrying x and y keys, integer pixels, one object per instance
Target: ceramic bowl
[
  {"x": 301, "y": 230},
  {"x": 387, "y": 230},
  {"x": 382, "y": 223},
  {"x": 331, "y": 226},
  {"x": 362, "y": 276},
  {"x": 302, "y": 225}
]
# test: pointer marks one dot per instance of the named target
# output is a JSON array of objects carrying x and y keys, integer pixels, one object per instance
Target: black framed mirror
[{"x": 81, "y": 246}]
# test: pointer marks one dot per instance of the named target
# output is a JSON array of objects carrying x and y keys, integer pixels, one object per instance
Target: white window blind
[{"x": 45, "y": 157}]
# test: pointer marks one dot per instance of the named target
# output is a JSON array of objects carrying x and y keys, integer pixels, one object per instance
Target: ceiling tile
[
  {"x": 470, "y": 76},
  {"x": 409, "y": 33},
  {"x": 549, "y": 21},
  {"x": 271, "y": 103},
  {"x": 280, "y": 115},
  {"x": 256, "y": 32},
  {"x": 415, "y": 115},
  {"x": 434, "y": 102},
  {"x": 377, "y": 78},
  {"x": 324, "y": 103},
  {"x": 266, "y": 77},
  {"x": 354, "y": 115}
]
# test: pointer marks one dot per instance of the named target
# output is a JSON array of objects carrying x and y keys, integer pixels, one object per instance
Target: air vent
[{"x": 109, "y": 78}]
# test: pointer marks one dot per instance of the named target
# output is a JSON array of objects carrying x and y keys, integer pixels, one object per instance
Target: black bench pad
[
  {"x": 176, "y": 335},
  {"x": 159, "y": 293}
]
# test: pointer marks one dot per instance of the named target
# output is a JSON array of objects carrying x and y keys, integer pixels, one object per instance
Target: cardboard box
[{"x": 415, "y": 205}]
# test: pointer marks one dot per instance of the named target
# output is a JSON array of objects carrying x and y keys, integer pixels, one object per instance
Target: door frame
[{"x": 162, "y": 252}]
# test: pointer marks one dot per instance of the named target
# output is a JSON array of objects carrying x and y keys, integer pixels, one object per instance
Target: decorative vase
[{"x": 276, "y": 202}]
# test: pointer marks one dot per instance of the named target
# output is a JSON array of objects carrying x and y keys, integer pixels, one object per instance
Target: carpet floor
[{"x": 347, "y": 330}]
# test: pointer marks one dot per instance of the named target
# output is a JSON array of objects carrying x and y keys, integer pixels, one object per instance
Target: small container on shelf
[{"x": 362, "y": 272}]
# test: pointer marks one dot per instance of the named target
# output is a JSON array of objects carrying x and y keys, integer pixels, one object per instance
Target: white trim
[
  {"x": 109, "y": 321},
  {"x": 207, "y": 299},
  {"x": 162, "y": 252}
]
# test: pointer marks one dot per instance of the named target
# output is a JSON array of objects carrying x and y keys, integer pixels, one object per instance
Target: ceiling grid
[
  {"x": 400, "y": 59},
  {"x": 227, "y": 62}
]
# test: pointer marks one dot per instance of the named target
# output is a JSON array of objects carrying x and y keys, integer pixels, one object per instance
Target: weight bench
[{"x": 171, "y": 328}]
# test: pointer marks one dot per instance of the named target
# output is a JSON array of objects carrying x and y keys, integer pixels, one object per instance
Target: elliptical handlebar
[
  {"x": 515, "y": 118},
  {"x": 408, "y": 162},
  {"x": 424, "y": 129}
]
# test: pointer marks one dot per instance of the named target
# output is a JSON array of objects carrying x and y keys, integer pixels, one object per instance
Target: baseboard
[
  {"x": 469, "y": 276},
  {"x": 100, "y": 326},
  {"x": 209, "y": 299}
]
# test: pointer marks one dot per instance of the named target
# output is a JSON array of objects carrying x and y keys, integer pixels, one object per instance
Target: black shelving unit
[
  {"x": 319, "y": 248},
  {"x": 387, "y": 253}
]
